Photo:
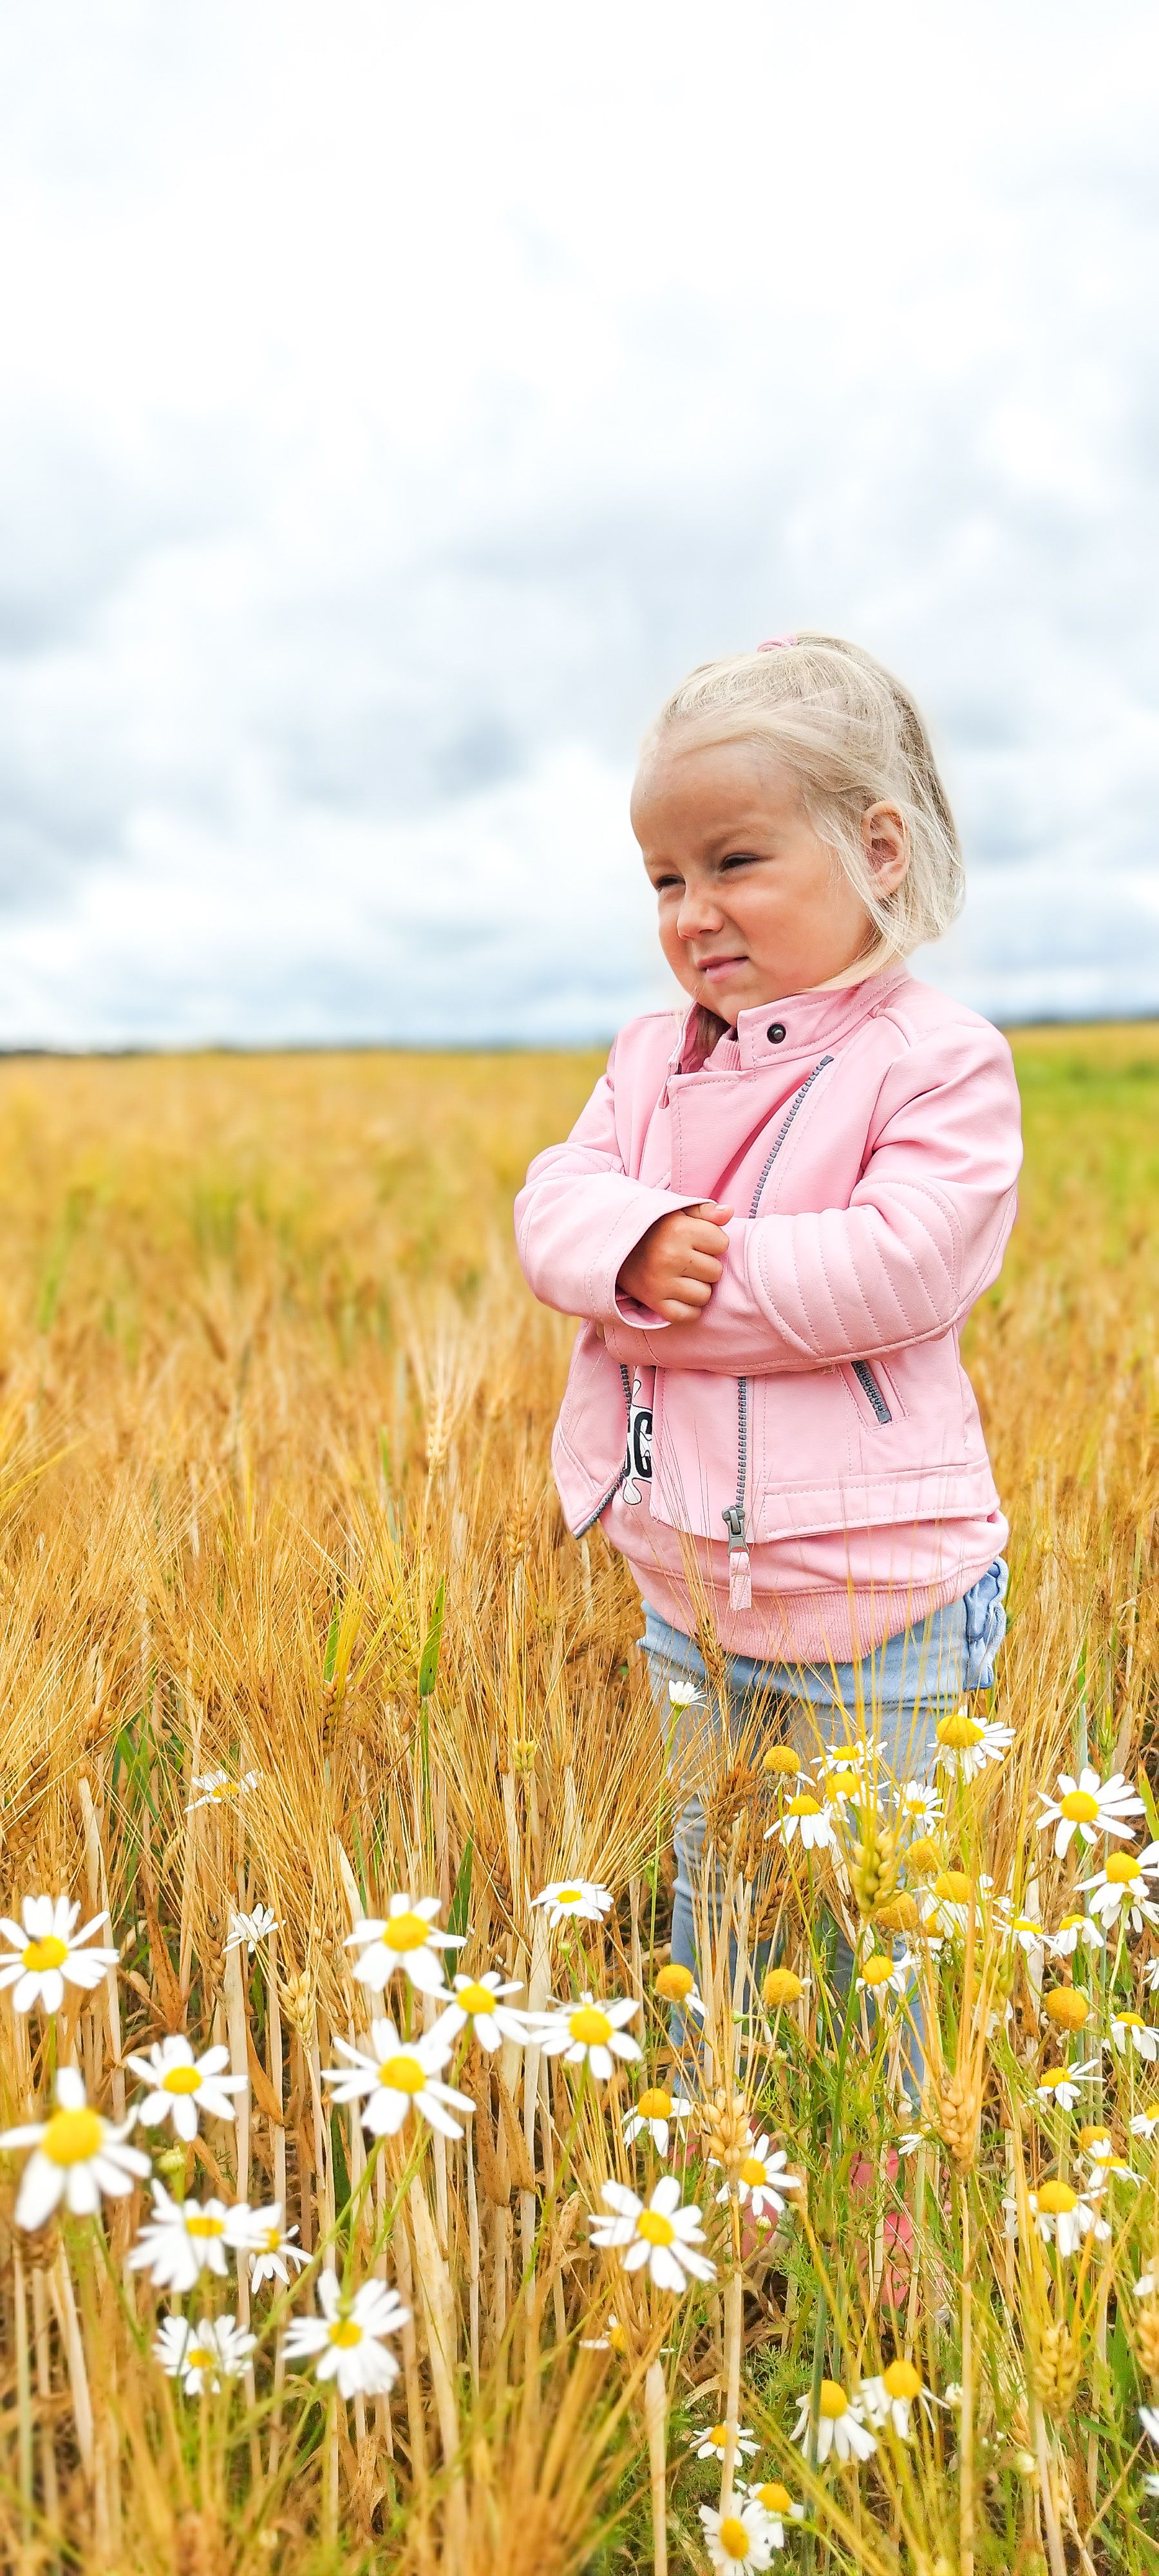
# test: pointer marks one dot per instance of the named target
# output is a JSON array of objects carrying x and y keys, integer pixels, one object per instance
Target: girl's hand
[{"x": 675, "y": 1266}]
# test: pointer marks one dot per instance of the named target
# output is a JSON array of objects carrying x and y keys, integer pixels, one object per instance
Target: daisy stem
[
  {"x": 23, "y": 2397},
  {"x": 655, "y": 2412}
]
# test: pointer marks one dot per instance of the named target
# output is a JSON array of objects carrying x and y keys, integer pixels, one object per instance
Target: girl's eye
[{"x": 739, "y": 859}]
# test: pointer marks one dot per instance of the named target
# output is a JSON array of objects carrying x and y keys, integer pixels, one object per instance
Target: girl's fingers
[{"x": 699, "y": 1264}]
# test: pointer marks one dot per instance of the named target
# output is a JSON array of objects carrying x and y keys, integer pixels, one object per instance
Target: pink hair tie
[{"x": 776, "y": 643}]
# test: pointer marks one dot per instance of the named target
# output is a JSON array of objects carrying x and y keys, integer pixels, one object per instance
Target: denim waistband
[{"x": 950, "y": 1651}]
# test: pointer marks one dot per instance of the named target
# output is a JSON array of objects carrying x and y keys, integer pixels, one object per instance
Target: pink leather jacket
[{"x": 870, "y": 1144}]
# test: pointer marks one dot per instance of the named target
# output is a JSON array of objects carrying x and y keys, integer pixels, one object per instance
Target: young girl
[{"x": 775, "y": 1220}]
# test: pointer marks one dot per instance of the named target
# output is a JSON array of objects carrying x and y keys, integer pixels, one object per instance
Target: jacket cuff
[{"x": 647, "y": 1207}]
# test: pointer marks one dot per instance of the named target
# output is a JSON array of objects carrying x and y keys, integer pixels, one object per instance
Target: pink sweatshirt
[{"x": 815, "y": 1446}]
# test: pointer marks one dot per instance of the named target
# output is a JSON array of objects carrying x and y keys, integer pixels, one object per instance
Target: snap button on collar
[{"x": 776, "y": 1032}]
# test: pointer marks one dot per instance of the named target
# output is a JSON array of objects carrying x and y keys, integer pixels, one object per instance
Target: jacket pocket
[{"x": 871, "y": 1388}]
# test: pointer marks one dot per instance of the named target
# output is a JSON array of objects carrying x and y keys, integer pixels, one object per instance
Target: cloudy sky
[{"x": 395, "y": 401}]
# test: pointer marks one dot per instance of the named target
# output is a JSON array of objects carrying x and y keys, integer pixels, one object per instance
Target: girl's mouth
[{"x": 718, "y": 966}]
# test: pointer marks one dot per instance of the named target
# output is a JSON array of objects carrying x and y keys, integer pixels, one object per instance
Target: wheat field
[{"x": 291, "y": 1628}]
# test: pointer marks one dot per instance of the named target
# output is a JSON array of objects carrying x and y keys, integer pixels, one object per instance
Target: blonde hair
[{"x": 854, "y": 738}]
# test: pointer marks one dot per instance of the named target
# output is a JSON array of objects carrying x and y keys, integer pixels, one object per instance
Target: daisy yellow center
[
  {"x": 616, "y": 2337},
  {"x": 1121, "y": 1869},
  {"x": 675, "y": 1982},
  {"x": 1072, "y": 1922},
  {"x": 1067, "y": 2007},
  {"x": 1079, "y": 1807},
  {"x": 733, "y": 2537},
  {"x": 954, "y": 1886},
  {"x": 475, "y": 1999},
  {"x": 271, "y": 2240},
  {"x": 72, "y": 2137},
  {"x": 654, "y": 2227},
  {"x": 844, "y": 1784},
  {"x": 403, "y": 2074},
  {"x": 204, "y": 2224},
  {"x": 803, "y": 1806},
  {"x": 960, "y": 1731},
  {"x": 1026, "y": 1923},
  {"x": 49, "y": 1953},
  {"x": 569, "y": 1896},
  {"x": 590, "y": 2026},
  {"x": 833, "y": 2400},
  {"x": 901, "y": 2379},
  {"x": 1054, "y": 2076},
  {"x": 345, "y": 2332},
  {"x": 781, "y": 1986},
  {"x": 719, "y": 2437},
  {"x": 774, "y": 2497},
  {"x": 877, "y": 1970},
  {"x": 1092, "y": 2135},
  {"x": 1129, "y": 2020},
  {"x": 199, "y": 2357},
  {"x": 406, "y": 1932},
  {"x": 781, "y": 1757},
  {"x": 180, "y": 2079},
  {"x": 1057, "y": 2198},
  {"x": 656, "y": 2104},
  {"x": 752, "y": 2170}
]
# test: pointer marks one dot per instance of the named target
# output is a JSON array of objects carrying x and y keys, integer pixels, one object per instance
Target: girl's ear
[{"x": 886, "y": 844}]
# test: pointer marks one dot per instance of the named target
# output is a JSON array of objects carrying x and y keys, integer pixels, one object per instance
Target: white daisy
[
  {"x": 251, "y": 1928},
  {"x": 219, "y": 1788},
  {"x": 1087, "y": 1807},
  {"x": 714, "y": 2444},
  {"x": 880, "y": 1974},
  {"x": 1120, "y": 1891},
  {"x": 1063, "y": 2218},
  {"x": 1145, "y": 2123},
  {"x": 663, "y": 2236},
  {"x": 574, "y": 1899},
  {"x": 805, "y": 1816},
  {"x": 1149, "y": 2419},
  {"x": 739, "y": 2538},
  {"x": 268, "y": 2246},
  {"x": 1073, "y": 1929},
  {"x": 202, "y": 2355},
  {"x": 966, "y": 1744},
  {"x": 838, "y": 2425},
  {"x": 1107, "y": 2166},
  {"x": 840, "y": 1758},
  {"x": 397, "y": 2076},
  {"x": 347, "y": 2337},
  {"x": 918, "y": 1803},
  {"x": 479, "y": 2000},
  {"x": 76, "y": 2156},
  {"x": 1061, "y": 2084},
  {"x": 45, "y": 1953},
  {"x": 1130, "y": 2031},
  {"x": 946, "y": 1904},
  {"x": 589, "y": 2033},
  {"x": 1151, "y": 1975},
  {"x": 908, "y": 2141},
  {"x": 777, "y": 2506},
  {"x": 1027, "y": 1931},
  {"x": 844, "y": 1780},
  {"x": 184, "y": 2238},
  {"x": 409, "y": 1939},
  {"x": 184, "y": 2084},
  {"x": 655, "y": 2110},
  {"x": 890, "y": 2398},
  {"x": 762, "y": 2181}
]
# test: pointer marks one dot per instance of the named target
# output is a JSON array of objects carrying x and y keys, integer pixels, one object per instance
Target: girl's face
[{"x": 752, "y": 904}]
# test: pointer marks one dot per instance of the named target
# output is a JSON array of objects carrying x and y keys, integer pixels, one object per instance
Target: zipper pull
[{"x": 740, "y": 1580}]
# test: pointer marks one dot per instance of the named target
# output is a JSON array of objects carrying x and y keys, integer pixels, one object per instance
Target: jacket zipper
[
  {"x": 612, "y": 1489},
  {"x": 740, "y": 1586},
  {"x": 867, "y": 1381}
]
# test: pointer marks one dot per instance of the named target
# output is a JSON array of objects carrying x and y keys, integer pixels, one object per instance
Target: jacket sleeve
[
  {"x": 579, "y": 1215},
  {"x": 922, "y": 1236}
]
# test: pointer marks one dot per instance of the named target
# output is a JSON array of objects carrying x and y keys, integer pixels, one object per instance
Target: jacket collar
[{"x": 806, "y": 1023}]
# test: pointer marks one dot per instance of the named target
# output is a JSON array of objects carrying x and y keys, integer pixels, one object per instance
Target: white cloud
[{"x": 398, "y": 401}]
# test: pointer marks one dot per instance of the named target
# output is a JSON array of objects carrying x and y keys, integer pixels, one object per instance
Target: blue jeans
[{"x": 895, "y": 1696}]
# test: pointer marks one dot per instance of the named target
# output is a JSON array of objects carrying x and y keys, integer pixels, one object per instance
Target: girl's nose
[{"x": 699, "y": 913}]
